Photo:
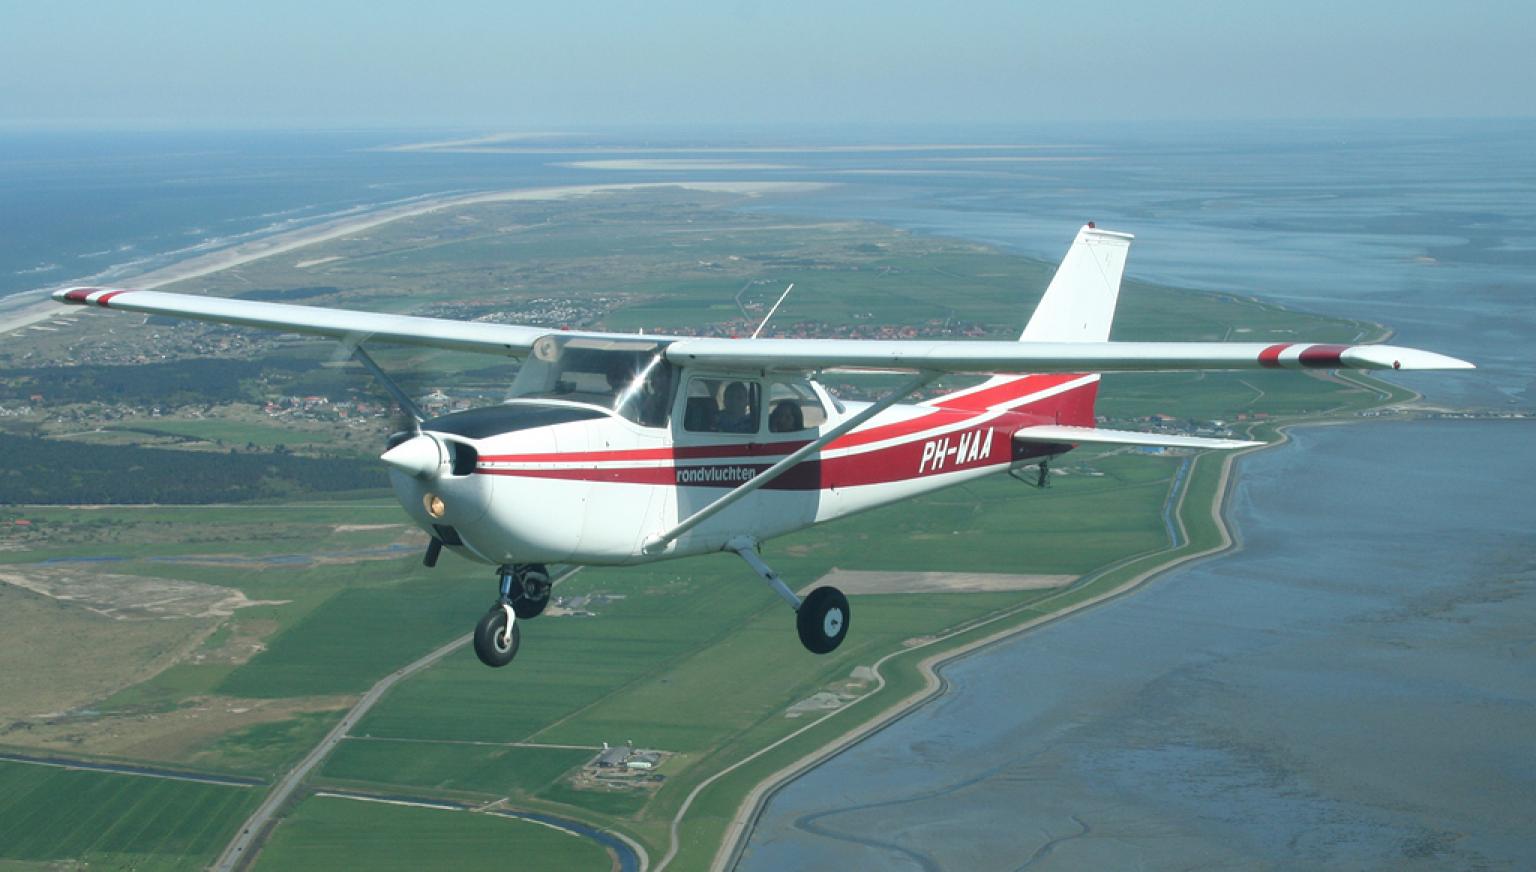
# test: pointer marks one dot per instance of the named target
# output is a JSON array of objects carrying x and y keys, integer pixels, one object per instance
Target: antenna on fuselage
[{"x": 774, "y": 309}]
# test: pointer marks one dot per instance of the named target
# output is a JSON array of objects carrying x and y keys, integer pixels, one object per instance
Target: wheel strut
[{"x": 821, "y": 619}]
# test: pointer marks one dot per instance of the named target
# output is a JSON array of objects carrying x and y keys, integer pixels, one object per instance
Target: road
[
  {"x": 240, "y": 849},
  {"x": 131, "y": 769},
  {"x": 239, "y": 852}
]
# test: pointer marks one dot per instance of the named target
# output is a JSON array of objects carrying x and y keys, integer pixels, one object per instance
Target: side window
[
  {"x": 793, "y": 406},
  {"x": 717, "y": 405}
]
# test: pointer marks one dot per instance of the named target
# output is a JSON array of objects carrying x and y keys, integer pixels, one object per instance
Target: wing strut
[
  {"x": 661, "y": 540},
  {"x": 406, "y": 404}
]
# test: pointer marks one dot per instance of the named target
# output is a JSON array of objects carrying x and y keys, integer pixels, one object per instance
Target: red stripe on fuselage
[
  {"x": 1074, "y": 406},
  {"x": 891, "y": 464},
  {"x": 1001, "y": 394}
]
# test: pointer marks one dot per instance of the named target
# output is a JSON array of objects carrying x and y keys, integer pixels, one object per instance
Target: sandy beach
[{"x": 23, "y": 310}]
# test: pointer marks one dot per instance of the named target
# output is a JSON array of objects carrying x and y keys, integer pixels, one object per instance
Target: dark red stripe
[
  {"x": 1322, "y": 356},
  {"x": 78, "y": 295},
  {"x": 1270, "y": 356},
  {"x": 1070, "y": 407},
  {"x": 893, "y": 463},
  {"x": 1012, "y": 390},
  {"x": 692, "y": 452}
]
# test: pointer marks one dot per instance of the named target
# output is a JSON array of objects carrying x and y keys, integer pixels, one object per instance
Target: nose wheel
[
  {"x": 524, "y": 594},
  {"x": 497, "y": 636}
]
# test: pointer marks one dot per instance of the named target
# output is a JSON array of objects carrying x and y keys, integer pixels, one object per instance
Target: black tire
[
  {"x": 823, "y": 620},
  {"x": 490, "y": 645}
]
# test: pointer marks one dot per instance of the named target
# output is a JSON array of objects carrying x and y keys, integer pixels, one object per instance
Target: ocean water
[
  {"x": 104, "y": 207},
  {"x": 1346, "y": 692}
]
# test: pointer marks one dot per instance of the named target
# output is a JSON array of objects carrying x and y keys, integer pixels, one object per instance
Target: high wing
[
  {"x": 802, "y": 355},
  {"x": 1057, "y": 434},
  {"x": 344, "y": 324},
  {"x": 1044, "y": 357}
]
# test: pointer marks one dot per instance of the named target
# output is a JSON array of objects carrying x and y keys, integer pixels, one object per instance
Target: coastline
[
  {"x": 743, "y": 821},
  {"x": 741, "y": 824},
  {"x": 22, "y": 310}
]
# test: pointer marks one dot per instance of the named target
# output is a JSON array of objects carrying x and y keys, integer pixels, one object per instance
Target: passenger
[
  {"x": 738, "y": 415},
  {"x": 786, "y": 417},
  {"x": 701, "y": 415}
]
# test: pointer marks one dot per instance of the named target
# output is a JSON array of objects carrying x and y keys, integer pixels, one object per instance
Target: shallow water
[{"x": 1335, "y": 695}]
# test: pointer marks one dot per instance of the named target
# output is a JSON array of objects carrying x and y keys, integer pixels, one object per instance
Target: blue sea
[{"x": 1352, "y": 689}]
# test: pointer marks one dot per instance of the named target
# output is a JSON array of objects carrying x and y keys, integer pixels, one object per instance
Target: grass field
[
  {"x": 327, "y": 833},
  {"x": 102, "y": 821},
  {"x": 451, "y": 767}
]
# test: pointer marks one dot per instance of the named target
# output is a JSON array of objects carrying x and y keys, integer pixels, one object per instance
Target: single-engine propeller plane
[{"x": 619, "y": 449}]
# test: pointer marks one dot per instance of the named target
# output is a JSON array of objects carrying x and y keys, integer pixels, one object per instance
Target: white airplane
[{"x": 619, "y": 449}]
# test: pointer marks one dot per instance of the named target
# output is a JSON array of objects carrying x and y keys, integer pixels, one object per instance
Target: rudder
[{"x": 1079, "y": 305}]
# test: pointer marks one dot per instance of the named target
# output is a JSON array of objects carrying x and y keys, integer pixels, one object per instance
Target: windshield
[{"x": 629, "y": 377}]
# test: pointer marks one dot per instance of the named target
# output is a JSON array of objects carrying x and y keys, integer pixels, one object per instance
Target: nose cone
[{"x": 419, "y": 456}]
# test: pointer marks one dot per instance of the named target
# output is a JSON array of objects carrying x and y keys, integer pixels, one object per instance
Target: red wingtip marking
[
  {"x": 1271, "y": 356},
  {"x": 78, "y": 295},
  {"x": 102, "y": 300}
]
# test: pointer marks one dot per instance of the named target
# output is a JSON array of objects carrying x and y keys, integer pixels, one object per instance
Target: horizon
[{"x": 479, "y": 65}]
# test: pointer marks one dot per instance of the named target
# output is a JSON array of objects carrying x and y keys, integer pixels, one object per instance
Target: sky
[{"x": 516, "y": 64}]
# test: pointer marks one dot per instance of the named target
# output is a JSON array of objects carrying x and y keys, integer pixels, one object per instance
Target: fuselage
[{"x": 548, "y": 480}]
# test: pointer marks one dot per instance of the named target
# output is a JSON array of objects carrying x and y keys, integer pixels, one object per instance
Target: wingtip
[{"x": 1394, "y": 357}]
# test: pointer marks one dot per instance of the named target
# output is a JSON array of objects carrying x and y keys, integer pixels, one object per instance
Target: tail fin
[{"x": 1079, "y": 305}]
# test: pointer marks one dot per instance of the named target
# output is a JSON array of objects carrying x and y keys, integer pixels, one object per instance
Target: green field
[
  {"x": 327, "y": 833},
  {"x": 490, "y": 771},
  {"x": 103, "y": 821}
]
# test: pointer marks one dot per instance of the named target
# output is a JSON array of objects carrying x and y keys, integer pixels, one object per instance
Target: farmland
[
  {"x": 51, "y": 815},
  {"x": 332, "y": 833}
]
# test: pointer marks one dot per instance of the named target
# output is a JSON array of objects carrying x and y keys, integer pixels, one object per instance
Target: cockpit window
[
  {"x": 792, "y": 406},
  {"x": 628, "y": 377},
  {"x": 722, "y": 405}
]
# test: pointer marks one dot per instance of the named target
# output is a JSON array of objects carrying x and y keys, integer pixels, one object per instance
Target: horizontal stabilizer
[{"x": 1059, "y": 434}]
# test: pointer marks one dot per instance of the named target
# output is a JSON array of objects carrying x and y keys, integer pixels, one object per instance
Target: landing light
[{"x": 434, "y": 505}]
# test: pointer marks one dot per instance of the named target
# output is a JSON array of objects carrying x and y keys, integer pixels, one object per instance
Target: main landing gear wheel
[
  {"x": 494, "y": 644},
  {"x": 823, "y": 620}
]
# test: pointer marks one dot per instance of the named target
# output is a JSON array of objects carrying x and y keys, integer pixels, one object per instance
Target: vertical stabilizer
[{"x": 1079, "y": 306}]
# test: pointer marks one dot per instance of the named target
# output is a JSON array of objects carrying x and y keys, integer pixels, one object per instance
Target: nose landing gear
[{"x": 524, "y": 594}]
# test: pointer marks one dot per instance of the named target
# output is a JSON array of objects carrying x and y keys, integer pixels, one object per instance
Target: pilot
[
  {"x": 786, "y": 417},
  {"x": 737, "y": 416},
  {"x": 620, "y": 374}
]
